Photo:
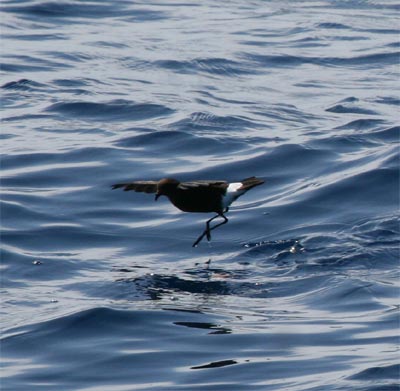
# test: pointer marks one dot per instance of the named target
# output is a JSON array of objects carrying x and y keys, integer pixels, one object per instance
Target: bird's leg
[
  {"x": 219, "y": 224},
  {"x": 208, "y": 230}
]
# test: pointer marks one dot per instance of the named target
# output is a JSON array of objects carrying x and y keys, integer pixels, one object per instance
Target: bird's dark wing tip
[
  {"x": 139, "y": 186},
  {"x": 118, "y": 186}
]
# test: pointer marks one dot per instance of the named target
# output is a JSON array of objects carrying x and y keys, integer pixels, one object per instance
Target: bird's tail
[{"x": 251, "y": 182}]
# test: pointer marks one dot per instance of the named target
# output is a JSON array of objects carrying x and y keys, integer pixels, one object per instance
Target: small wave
[
  {"x": 284, "y": 112},
  {"x": 295, "y": 157},
  {"x": 388, "y": 100},
  {"x": 24, "y": 63},
  {"x": 70, "y": 56},
  {"x": 333, "y": 26},
  {"x": 362, "y": 124},
  {"x": 284, "y": 60},
  {"x": 6, "y": 136},
  {"x": 69, "y": 236},
  {"x": 71, "y": 83},
  {"x": 140, "y": 15},
  {"x": 16, "y": 214},
  {"x": 278, "y": 60},
  {"x": 109, "y": 44},
  {"x": 19, "y": 118},
  {"x": 366, "y": 61},
  {"x": 209, "y": 121},
  {"x": 37, "y": 37},
  {"x": 387, "y": 135},
  {"x": 56, "y": 174},
  {"x": 213, "y": 66},
  {"x": 341, "y": 109},
  {"x": 117, "y": 110},
  {"x": 15, "y": 68},
  {"x": 350, "y": 99},
  {"x": 180, "y": 143},
  {"x": 22, "y": 85},
  {"x": 285, "y": 162},
  {"x": 378, "y": 373},
  {"x": 62, "y": 9},
  {"x": 357, "y": 192},
  {"x": 393, "y": 45}
]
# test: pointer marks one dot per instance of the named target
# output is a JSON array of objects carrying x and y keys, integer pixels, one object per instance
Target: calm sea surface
[{"x": 102, "y": 291}]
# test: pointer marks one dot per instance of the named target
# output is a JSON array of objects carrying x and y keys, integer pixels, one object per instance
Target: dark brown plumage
[{"x": 196, "y": 196}]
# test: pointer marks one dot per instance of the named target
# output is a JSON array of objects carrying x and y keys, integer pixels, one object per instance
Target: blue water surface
[{"x": 101, "y": 289}]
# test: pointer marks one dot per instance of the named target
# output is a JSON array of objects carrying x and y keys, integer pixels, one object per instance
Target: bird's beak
[{"x": 157, "y": 197}]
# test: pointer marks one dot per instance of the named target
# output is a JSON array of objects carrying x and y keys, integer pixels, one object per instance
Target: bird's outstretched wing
[
  {"x": 217, "y": 185},
  {"x": 140, "y": 186}
]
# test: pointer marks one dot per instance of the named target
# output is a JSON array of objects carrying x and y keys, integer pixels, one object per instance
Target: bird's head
[{"x": 166, "y": 187}]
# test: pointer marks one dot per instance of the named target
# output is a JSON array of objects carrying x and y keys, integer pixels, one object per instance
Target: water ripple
[
  {"x": 117, "y": 110},
  {"x": 306, "y": 271}
]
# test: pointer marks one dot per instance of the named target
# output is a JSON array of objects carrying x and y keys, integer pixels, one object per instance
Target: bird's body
[{"x": 201, "y": 196}]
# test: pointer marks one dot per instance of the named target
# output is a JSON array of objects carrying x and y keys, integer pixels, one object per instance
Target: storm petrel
[{"x": 196, "y": 196}]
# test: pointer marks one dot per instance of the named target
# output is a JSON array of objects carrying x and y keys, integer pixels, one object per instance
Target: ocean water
[{"x": 101, "y": 289}]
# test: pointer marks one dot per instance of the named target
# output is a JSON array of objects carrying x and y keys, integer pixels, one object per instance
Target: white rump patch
[
  {"x": 232, "y": 192},
  {"x": 233, "y": 187}
]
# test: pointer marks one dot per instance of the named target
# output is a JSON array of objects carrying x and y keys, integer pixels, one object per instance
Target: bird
[{"x": 198, "y": 196}]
